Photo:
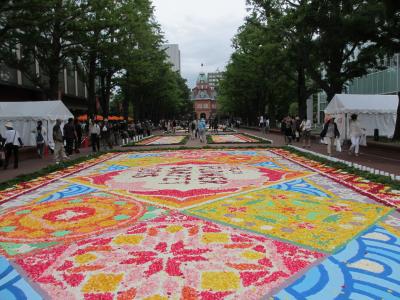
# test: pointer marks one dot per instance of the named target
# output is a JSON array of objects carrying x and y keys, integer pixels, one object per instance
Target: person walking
[
  {"x": 305, "y": 128},
  {"x": 40, "y": 137},
  {"x": 94, "y": 132},
  {"x": 193, "y": 130},
  {"x": 69, "y": 135},
  {"x": 355, "y": 135},
  {"x": 12, "y": 144},
  {"x": 330, "y": 133},
  {"x": 202, "y": 130},
  {"x": 106, "y": 134},
  {"x": 288, "y": 130},
  {"x": 59, "y": 153},
  {"x": 78, "y": 132}
]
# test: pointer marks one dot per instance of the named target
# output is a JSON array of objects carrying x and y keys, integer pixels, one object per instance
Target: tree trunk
[
  {"x": 301, "y": 93},
  {"x": 92, "y": 85},
  {"x": 54, "y": 85},
  {"x": 107, "y": 93},
  {"x": 396, "y": 136}
]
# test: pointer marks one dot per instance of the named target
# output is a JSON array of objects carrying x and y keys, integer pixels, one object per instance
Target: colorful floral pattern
[
  {"x": 312, "y": 221},
  {"x": 162, "y": 140},
  {"x": 68, "y": 219},
  {"x": 232, "y": 138},
  {"x": 25, "y": 187},
  {"x": 174, "y": 257},
  {"x": 198, "y": 224},
  {"x": 188, "y": 180},
  {"x": 377, "y": 191},
  {"x": 367, "y": 268}
]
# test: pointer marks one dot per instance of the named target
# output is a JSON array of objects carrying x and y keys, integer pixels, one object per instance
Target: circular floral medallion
[{"x": 70, "y": 218}]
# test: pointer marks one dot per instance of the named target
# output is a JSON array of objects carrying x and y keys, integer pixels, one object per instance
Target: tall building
[
  {"x": 214, "y": 78},
  {"x": 204, "y": 98},
  {"x": 15, "y": 86},
  {"x": 173, "y": 56}
]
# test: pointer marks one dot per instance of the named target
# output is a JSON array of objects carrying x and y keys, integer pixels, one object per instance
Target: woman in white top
[
  {"x": 40, "y": 137},
  {"x": 11, "y": 145},
  {"x": 305, "y": 128},
  {"x": 355, "y": 135}
]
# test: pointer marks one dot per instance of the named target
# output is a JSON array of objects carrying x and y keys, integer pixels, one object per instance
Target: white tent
[
  {"x": 24, "y": 116},
  {"x": 374, "y": 111}
]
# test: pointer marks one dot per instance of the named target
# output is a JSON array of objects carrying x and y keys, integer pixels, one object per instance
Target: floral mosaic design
[
  {"x": 376, "y": 191},
  {"x": 232, "y": 138},
  {"x": 198, "y": 224},
  {"x": 188, "y": 180},
  {"x": 162, "y": 140},
  {"x": 175, "y": 257},
  {"x": 312, "y": 221},
  {"x": 12, "y": 285},
  {"x": 36, "y": 226},
  {"x": 367, "y": 268},
  {"x": 25, "y": 187}
]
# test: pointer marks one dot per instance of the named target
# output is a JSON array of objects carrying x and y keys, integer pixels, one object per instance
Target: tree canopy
[{"x": 114, "y": 45}]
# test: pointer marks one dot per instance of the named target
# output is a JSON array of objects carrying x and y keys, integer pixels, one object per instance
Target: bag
[
  {"x": 338, "y": 145},
  {"x": 39, "y": 138}
]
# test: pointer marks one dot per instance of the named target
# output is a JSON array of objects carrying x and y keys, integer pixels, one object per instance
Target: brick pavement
[{"x": 383, "y": 159}]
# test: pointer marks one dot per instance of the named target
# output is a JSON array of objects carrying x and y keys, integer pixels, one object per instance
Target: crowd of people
[
  {"x": 295, "y": 129},
  {"x": 107, "y": 134},
  {"x": 68, "y": 139}
]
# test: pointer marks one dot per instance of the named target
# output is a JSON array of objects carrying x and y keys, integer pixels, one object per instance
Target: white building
[{"x": 174, "y": 56}]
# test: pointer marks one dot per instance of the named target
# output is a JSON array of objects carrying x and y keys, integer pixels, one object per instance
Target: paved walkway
[
  {"x": 377, "y": 158},
  {"x": 387, "y": 160}
]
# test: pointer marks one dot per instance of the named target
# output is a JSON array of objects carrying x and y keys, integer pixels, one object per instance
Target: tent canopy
[
  {"x": 25, "y": 115},
  {"x": 374, "y": 112},
  {"x": 35, "y": 110},
  {"x": 362, "y": 104}
]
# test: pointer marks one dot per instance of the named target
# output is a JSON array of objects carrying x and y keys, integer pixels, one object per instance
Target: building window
[{"x": 205, "y": 105}]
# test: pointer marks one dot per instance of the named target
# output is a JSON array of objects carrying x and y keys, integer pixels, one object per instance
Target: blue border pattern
[
  {"x": 300, "y": 186},
  {"x": 13, "y": 286},
  {"x": 367, "y": 268}
]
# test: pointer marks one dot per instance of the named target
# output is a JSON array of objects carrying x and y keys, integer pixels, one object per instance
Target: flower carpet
[
  {"x": 233, "y": 139},
  {"x": 199, "y": 224},
  {"x": 162, "y": 140}
]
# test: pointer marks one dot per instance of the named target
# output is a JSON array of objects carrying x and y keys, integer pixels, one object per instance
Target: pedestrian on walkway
[
  {"x": 40, "y": 136},
  {"x": 94, "y": 132},
  {"x": 193, "y": 130},
  {"x": 305, "y": 128},
  {"x": 106, "y": 135},
  {"x": 202, "y": 130},
  {"x": 330, "y": 133},
  {"x": 78, "y": 135},
  {"x": 59, "y": 153},
  {"x": 355, "y": 135},
  {"x": 69, "y": 135},
  {"x": 287, "y": 130},
  {"x": 12, "y": 144}
]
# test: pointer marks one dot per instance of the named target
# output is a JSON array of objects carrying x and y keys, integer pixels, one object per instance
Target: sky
[{"x": 203, "y": 29}]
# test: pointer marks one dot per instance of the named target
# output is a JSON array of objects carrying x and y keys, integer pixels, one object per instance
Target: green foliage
[
  {"x": 115, "y": 46},
  {"x": 289, "y": 49}
]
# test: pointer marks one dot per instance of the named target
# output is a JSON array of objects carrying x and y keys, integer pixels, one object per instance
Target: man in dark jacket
[{"x": 69, "y": 135}]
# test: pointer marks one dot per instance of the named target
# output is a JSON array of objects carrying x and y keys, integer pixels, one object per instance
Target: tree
[
  {"x": 256, "y": 79},
  {"x": 48, "y": 40}
]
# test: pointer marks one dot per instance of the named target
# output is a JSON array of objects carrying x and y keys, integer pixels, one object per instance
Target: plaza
[
  {"x": 199, "y": 150},
  {"x": 220, "y": 223}
]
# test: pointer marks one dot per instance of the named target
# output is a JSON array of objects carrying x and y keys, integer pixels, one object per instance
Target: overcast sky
[{"x": 203, "y": 29}]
